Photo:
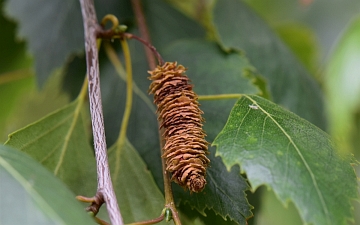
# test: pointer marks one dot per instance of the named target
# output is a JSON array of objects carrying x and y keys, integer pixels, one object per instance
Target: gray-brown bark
[{"x": 105, "y": 186}]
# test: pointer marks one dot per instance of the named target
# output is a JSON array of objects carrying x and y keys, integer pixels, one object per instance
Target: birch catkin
[{"x": 179, "y": 114}]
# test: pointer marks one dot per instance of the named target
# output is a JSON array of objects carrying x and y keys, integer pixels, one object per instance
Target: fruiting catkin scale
[{"x": 179, "y": 114}]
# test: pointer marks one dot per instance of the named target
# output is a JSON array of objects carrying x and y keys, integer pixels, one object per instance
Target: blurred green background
[{"x": 323, "y": 34}]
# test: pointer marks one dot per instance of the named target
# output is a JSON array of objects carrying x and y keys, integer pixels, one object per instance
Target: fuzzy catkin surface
[{"x": 179, "y": 114}]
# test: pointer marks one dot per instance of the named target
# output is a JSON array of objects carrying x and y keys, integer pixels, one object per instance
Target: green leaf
[
  {"x": 138, "y": 196},
  {"x": 279, "y": 149},
  {"x": 343, "y": 86},
  {"x": 238, "y": 27},
  {"x": 59, "y": 142},
  {"x": 54, "y": 29},
  {"x": 32, "y": 195},
  {"x": 166, "y": 24},
  {"x": 54, "y": 33},
  {"x": 74, "y": 75}
]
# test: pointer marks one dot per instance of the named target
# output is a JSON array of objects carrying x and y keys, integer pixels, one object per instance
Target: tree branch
[{"x": 105, "y": 187}]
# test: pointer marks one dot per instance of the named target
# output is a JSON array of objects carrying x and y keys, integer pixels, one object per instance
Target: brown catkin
[{"x": 179, "y": 114}]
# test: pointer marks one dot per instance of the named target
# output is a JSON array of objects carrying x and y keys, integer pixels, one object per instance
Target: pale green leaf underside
[
  {"x": 293, "y": 157},
  {"x": 58, "y": 141},
  {"x": 32, "y": 195},
  {"x": 138, "y": 196}
]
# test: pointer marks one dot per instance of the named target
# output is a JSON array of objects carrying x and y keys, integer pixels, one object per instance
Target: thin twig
[
  {"x": 169, "y": 198},
  {"x": 128, "y": 104},
  {"x": 147, "y": 46},
  {"x": 113, "y": 33},
  {"x": 100, "y": 221},
  {"x": 144, "y": 32},
  {"x": 218, "y": 97},
  {"x": 129, "y": 95},
  {"x": 149, "y": 222},
  {"x": 105, "y": 187}
]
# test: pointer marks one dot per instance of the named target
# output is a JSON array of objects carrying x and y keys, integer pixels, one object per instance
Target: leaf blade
[
  {"x": 58, "y": 141},
  {"x": 54, "y": 29},
  {"x": 33, "y": 189},
  {"x": 291, "y": 156},
  {"x": 290, "y": 83},
  {"x": 59, "y": 37},
  {"x": 128, "y": 170}
]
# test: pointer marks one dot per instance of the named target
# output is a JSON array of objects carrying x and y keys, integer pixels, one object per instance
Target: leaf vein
[{"x": 68, "y": 136}]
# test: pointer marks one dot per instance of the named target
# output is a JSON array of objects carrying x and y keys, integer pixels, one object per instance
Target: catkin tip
[{"x": 196, "y": 184}]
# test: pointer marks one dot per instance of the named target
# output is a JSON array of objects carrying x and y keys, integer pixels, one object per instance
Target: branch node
[{"x": 96, "y": 202}]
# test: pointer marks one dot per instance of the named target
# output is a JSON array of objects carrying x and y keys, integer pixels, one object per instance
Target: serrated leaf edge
[
  {"x": 256, "y": 106},
  {"x": 326, "y": 211}
]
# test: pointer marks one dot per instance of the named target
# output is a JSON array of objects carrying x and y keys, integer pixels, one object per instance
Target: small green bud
[
  {"x": 168, "y": 215},
  {"x": 121, "y": 29}
]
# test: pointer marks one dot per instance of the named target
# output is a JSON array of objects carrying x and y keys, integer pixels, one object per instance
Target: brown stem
[
  {"x": 149, "y": 222},
  {"x": 147, "y": 46},
  {"x": 100, "y": 221},
  {"x": 105, "y": 187},
  {"x": 112, "y": 33},
  {"x": 169, "y": 199},
  {"x": 144, "y": 32}
]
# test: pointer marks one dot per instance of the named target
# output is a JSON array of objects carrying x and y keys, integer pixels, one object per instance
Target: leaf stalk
[
  {"x": 219, "y": 97},
  {"x": 128, "y": 104}
]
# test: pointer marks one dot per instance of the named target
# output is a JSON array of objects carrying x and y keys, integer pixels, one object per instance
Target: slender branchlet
[
  {"x": 105, "y": 187},
  {"x": 144, "y": 32}
]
